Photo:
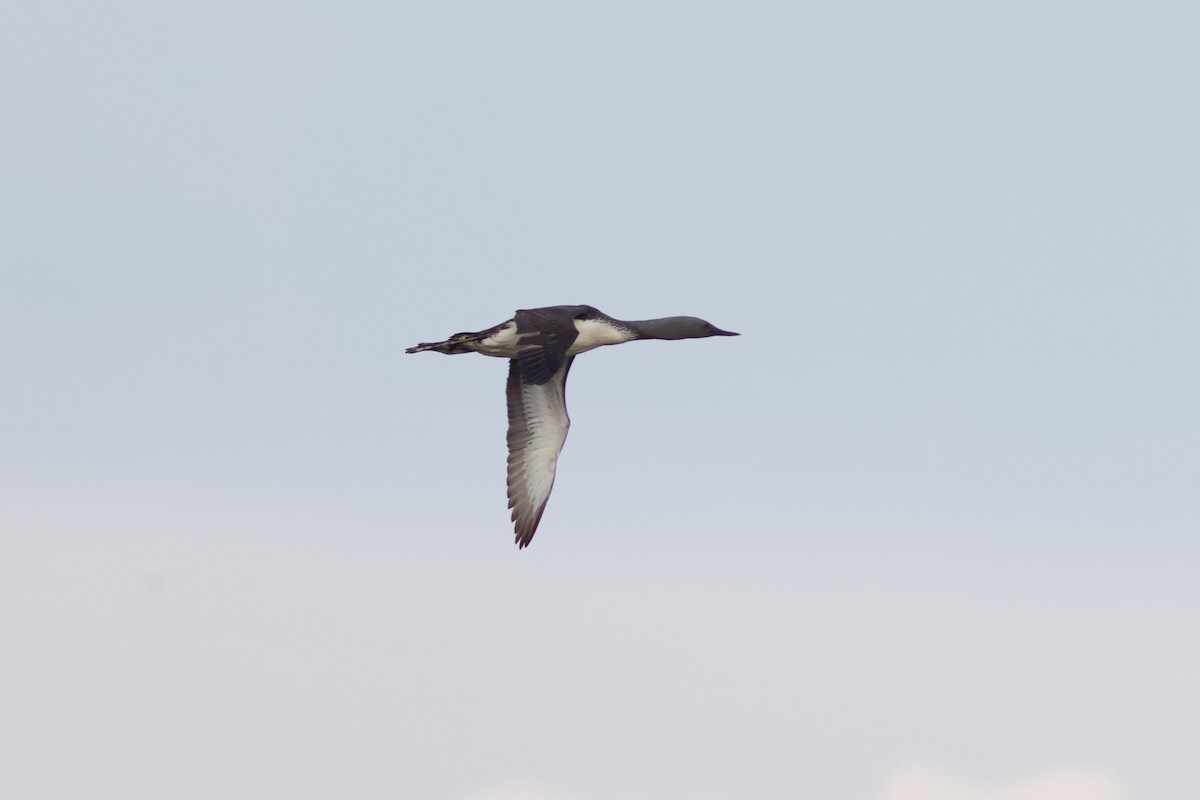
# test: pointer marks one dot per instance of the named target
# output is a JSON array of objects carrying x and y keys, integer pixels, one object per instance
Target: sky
[{"x": 927, "y": 530}]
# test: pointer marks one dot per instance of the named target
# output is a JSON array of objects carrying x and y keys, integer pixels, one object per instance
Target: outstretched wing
[{"x": 537, "y": 428}]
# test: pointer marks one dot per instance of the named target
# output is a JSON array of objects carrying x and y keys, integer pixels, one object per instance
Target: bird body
[{"x": 541, "y": 344}]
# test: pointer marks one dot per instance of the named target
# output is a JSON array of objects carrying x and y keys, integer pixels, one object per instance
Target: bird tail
[{"x": 458, "y": 343}]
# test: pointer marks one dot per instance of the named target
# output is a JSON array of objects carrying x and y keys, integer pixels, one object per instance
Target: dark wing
[
  {"x": 537, "y": 428},
  {"x": 545, "y": 336}
]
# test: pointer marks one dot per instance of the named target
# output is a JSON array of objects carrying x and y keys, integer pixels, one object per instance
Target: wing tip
[{"x": 523, "y": 538}]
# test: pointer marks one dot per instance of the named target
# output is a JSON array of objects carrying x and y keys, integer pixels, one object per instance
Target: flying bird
[{"x": 541, "y": 344}]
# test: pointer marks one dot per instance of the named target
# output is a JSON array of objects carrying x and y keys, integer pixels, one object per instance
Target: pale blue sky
[{"x": 938, "y": 504}]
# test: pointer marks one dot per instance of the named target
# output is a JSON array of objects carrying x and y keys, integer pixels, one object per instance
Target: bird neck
[{"x": 663, "y": 328}]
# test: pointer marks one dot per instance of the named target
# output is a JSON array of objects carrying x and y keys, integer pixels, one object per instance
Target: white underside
[
  {"x": 595, "y": 333},
  {"x": 503, "y": 343}
]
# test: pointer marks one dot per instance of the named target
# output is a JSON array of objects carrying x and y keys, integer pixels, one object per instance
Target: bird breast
[{"x": 595, "y": 333}]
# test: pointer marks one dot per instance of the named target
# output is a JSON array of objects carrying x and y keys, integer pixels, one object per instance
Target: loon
[{"x": 540, "y": 344}]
